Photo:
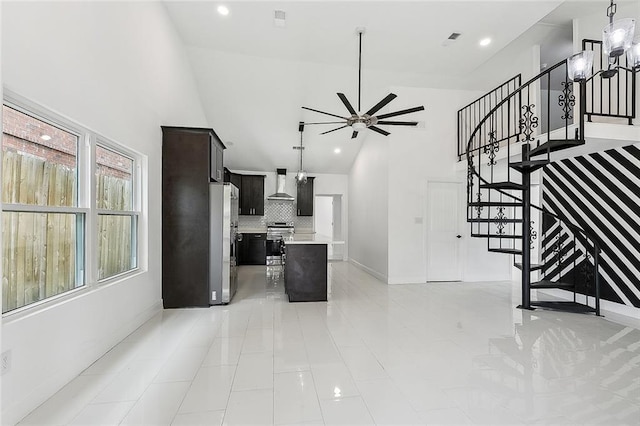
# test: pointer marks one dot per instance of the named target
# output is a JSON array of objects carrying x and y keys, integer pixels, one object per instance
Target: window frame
[
  {"x": 85, "y": 208},
  {"x": 134, "y": 214}
]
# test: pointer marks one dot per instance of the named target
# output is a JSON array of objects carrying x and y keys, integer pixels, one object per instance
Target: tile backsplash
[{"x": 277, "y": 211}]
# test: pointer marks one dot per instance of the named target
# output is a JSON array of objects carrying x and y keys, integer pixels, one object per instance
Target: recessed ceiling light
[
  {"x": 223, "y": 10},
  {"x": 485, "y": 41},
  {"x": 45, "y": 137},
  {"x": 337, "y": 150}
]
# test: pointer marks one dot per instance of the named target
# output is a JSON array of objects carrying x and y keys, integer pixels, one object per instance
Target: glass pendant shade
[
  {"x": 580, "y": 65},
  {"x": 301, "y": 177},
  {"x": 633, "y": 56},
  {"x": 617, "y": 37}
]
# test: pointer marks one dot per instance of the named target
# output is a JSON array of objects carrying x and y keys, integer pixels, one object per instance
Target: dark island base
[{"x": 305, "y": 272}]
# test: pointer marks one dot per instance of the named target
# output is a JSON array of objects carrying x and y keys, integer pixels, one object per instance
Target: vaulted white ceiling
[{"x": 253, "y": 76}]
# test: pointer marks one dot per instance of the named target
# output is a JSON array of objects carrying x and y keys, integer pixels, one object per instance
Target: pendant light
[
  {"x": 301, "y": 176},
  {"x": 618, "y": 35}
]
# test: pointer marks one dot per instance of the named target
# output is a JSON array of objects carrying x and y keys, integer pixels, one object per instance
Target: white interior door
[
  {"x": 323, "y": 218},
  {"x": 443, "y": 233}
]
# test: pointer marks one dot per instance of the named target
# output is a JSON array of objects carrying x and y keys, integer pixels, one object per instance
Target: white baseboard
[
  {"x": 369, "y": 271},
  {"x": 407, "y": 280}
]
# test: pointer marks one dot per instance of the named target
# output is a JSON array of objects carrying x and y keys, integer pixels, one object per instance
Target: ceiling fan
[{"x": 358, "y": 121}]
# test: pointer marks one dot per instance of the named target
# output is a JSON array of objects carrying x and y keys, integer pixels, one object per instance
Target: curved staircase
[{"x": 506, "y": 151}]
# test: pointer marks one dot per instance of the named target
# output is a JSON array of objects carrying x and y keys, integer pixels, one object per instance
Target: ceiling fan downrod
[{"x": 360, "y": 31}]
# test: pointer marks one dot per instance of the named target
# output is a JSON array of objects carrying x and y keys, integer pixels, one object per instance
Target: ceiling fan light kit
[{"x": 369, "y": 120}]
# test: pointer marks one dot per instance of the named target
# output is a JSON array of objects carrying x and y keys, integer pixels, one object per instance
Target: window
[
  {"x": 117, "y": 222},
  {"x": 43, "y": 228},
  {"x": 70, "y": 206}
]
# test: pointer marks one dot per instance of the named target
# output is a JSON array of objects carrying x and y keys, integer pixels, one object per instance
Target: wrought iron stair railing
[{"x": 499, "y": 188}]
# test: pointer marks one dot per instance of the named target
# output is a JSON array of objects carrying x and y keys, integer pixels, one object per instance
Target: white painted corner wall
[
  {"x": 95, "y": 64},
  {"x": 368, "y": 207}
]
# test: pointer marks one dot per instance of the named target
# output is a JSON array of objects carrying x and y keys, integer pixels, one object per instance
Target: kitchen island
[{"x": 305, "y": 268}]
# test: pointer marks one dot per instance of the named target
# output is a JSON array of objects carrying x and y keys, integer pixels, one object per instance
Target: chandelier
[{"x": 617, "y": 38}]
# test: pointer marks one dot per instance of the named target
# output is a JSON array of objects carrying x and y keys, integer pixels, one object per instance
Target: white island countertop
[{"x": 311, "y": 239}]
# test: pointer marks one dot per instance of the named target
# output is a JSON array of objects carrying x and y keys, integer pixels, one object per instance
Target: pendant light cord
[{"x": 301, "y": 150}]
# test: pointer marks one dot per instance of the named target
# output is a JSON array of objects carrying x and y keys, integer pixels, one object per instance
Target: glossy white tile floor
[{"x": 446, "y": 353}]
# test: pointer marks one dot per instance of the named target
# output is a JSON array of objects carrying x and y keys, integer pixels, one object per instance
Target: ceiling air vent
[
  {"x": 279, "y": 18},
  {"x": 452, "y": 38}
]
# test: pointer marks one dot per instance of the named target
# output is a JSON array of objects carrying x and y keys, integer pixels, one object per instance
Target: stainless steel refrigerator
[{"x": 223, "y": 269}]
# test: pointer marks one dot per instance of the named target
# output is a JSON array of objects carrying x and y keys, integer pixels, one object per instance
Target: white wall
[
  {"x": 368, "y": 207},
  {"x": 98, "y": 65},
  {"x": 417, "y": 156}
]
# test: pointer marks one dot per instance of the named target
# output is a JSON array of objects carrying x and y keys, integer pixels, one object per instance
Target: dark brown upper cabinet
[{"x": 252, "y": 195}]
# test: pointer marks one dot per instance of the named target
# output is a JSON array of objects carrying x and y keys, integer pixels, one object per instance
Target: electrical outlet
[
  {"x": 213, "y": 295},
  {"x": 5, "y": 360}
]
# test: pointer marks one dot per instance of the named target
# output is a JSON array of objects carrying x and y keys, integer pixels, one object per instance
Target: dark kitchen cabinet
[
  {"x": 304, "y": 198},
  {"x": 186, "y": 174},
  {"x": 252, "y": 249},
  {"x": 216, "y": 162},
  {"x": 252, "y": 195}
]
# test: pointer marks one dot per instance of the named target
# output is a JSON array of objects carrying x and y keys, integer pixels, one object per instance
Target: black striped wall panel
[{"x": 599, "y": 192}]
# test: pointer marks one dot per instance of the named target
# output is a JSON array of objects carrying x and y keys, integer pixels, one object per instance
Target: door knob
[{"x": 458, "y": 236}]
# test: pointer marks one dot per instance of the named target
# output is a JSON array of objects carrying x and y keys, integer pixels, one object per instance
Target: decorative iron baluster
[
  {"x": 587, "y": 271},
  {"x": 533, "y": 233},
  {"x": 558, "y": 248},
  {"x": 492, "y": 148},
  {"x": 567, "y": 100},
  {"x": 528, "y": 122},
  {"x": 470, "y": 174},
  {"x": 479, "y": 207},
  {"x": 500, "y": 221}
]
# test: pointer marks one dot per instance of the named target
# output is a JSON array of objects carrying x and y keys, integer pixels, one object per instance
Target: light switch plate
[{"x": 5, "y": 361}]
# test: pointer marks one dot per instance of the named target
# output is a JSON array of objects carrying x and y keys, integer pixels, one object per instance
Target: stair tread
[
  {"x": 532, "y": 267},
  {"x": 555, "y": 145},
  {"x": 529, "y": 166},
  {"x": 529, "y": 162},
  {"x": 564, "y": 306},
  {"x": 552, "y": 284},
  {"x": 502, "y": 185},
  {"x": 506, "y": 250}
]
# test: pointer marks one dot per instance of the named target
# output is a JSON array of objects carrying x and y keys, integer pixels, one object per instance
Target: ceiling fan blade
[
  {"x": 326, "y": 122},
  {"x": 346, "y": 103},
  {"x": 354, "y": 135},
  {"x": 333, "y": 130},
  {"x": 379, "y": 130},
  {"x": 398, "y": 123},
  {"x": 325, "y": 113},
  {"x": 404, "y": 111},
  {"x": 381, "y": 104}
]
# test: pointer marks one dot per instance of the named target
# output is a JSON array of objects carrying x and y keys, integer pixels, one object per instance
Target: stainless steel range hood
[{"x": 280, "y": 195}]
